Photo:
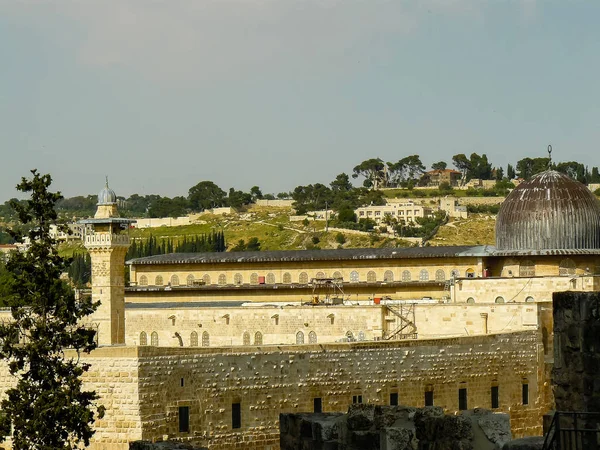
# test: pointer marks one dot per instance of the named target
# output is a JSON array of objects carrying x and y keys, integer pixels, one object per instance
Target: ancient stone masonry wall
[
  {"x": 114, "y": 377},
  {"x": 269, "y": 380}
]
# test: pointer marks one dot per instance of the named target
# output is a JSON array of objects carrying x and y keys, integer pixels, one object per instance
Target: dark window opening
[
  {"x": 182, "y": 382},
  {"x": 429, "y": 398},
  {"x": 357, "y": 399},
  {"x": 462, "y": 399},
  {"x": 495, "y": 397},
  {"x": 525, "y": 394},
  {"x": 236, "y": 415},
  {"x": 184, "y": 419},
  {"x": 317, "y": 405},
  {"x": 394, "y": 399}
]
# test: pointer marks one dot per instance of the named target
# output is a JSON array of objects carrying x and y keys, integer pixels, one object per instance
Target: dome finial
[
  {"x": 106, "y": 180},
  {"x": 549, "y": 157}
]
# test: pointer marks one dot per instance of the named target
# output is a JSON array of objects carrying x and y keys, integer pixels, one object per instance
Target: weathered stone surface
[
  {"x": 528, "y": 443},
  {"x": 496, "y": 427},
  {"x": 166, "y": 445},
  {"x": 361, "y": 417},
  {"x": 399, "y": 439}
]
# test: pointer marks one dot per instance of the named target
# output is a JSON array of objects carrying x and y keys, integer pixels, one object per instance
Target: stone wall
[
  {"x": 576, "y": 351},
  {"x": 268, "y": 380},
  {"x": 286, "y": 325},
  {"x": 369, "y": 427}
]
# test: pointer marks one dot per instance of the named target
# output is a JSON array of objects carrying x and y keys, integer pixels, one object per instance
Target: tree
[
  {"x": 237, "y": 199},
  {"x": 341, "y": 183},
  {"x": 440, "y": 165},
  {"x": 463, "y": 164},
  {"x": 206, "y": 195},
  {"x": 510, "y": 172},
  {"x": 409, "y": 168},
  {"x": 528, "y": 167},
  {"x": 374, "y": 172},
  {"x": 47, "y": 409},
  {"x": 480, "y": 167},
  {"x": 256, "y": 193}
]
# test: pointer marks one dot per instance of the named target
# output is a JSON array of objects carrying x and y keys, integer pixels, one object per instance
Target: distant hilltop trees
[{"x": 340, "y": 194}]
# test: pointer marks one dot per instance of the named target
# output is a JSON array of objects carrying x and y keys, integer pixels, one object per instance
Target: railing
[
  {"x": 106, "y": 239},
  {"x": 573, "y": 431}
]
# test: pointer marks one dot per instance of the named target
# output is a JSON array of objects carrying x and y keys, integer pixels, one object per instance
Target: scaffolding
[
  {"x": 404, "y": 316},
  {"x": 327, "y": 291}
]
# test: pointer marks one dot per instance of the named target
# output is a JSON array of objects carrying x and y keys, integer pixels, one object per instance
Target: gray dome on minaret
[
  {"x": 107, "y": 196},
  {"x": 547, "y": 213}
]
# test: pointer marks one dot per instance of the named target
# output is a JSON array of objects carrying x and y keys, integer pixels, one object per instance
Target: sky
[{"x": 160, "y": 95}]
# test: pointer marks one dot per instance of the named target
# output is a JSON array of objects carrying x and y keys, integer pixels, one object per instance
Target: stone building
[
  {"x": 210, "y": 348},
  {"x": 407, "y": 212}
]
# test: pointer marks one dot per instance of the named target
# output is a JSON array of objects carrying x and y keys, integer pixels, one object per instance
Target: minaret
[{"x": 107, "y": 247}]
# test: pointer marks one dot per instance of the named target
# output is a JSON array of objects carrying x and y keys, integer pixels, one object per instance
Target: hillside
[
  {"x": 271, "y": 226},
  {"x": 477, "y": 229}
]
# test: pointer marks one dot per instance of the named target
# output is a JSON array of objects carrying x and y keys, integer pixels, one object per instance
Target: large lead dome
[{"x": 549, "y": 212}]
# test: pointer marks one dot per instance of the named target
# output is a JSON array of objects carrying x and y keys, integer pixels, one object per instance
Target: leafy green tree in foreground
[{"x": 47, "y": 409}]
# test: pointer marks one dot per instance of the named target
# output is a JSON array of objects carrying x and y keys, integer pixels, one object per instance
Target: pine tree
[{"x": 48, "y": 408}]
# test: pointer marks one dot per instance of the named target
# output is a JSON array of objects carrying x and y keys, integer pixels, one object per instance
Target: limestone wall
[
  {"x": 286, "y": 325},
  {"x": 268, "y": 380}
]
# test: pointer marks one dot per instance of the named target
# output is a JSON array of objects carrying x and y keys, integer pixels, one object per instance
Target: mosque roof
[
  {"x": 316, "y": 255},
  {"x": 107, "y": 196},
  {"x": 549, "y": 214}
]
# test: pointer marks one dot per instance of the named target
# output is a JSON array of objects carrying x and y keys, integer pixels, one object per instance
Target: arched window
[
  {"x": 529, "y": 299},
  {"x": 361, "y": 335},
  {"x": 499, "y": 300},
  {"x": 303, "y": 278},
  {"x": 158, "y": 281},
  {"x": 320, "y": 275},
  {"x": 193, "y": 339},
  {"x": 270, "y": 278},
  {"x": 455, "y": 273},
  {"x": 205, "y": 339},
  {"x": 470, "y": 300},
  {"x": 371, "y": 276},
  {"x": 246, "y": 338},
  {"x": 350, "y": 336},
  {"x": 174, "y": 280},
  {"x": 440, "y": 275},
  {"x": 354, "y": 277},
  {"x": 154, "y": 339},
  {"x": 222, "y": 279},
  {"x": 287, "y": 278},
  {"x": 312, "y": 337},
  {"x": 527, "y": 268},
  {"x": 405, "y": 275},
  {"x": 143, "y": 338},
  {"x": 470, "y": 273},
  {"x": 299, "y": 337},
  {"x": 237, "y": 278},
  {"x": 567, "y": 267},
  {"x": 423, "y": 275},
  {"x": 190, "y": 280},
  {"x": 337, "y": 274},
  {"x": 254, "y": 278},
  {"x": 388, "y": 276},
  {"x": 206, "y": 279},
  {"x": 143, "y": 280},
  {"x": 258, "y": 338}
]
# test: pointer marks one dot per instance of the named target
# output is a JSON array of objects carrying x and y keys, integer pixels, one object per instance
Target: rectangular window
[
  {"x": 462, "y": 399},
  {"x": 184, "y": 419},
  {"x": 394, "y": 399},
  {"x": 236, "y": 415},
  {"x": 317, "y": 405},
  {"x": 357, "y": 399},
  {"x": 495, "y": 397},
  {"x": 429, "y": 398},
  {"x": 525, "y": 394}
]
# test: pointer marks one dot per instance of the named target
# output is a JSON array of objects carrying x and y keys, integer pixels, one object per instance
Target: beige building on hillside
[{"x": 407, "y": 212}]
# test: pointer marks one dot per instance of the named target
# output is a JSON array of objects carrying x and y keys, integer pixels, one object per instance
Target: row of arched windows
[
  {"x": 303, "y": 278},
  {"x": 258, "y": 338},
  {"x": 193, "y": 339}
]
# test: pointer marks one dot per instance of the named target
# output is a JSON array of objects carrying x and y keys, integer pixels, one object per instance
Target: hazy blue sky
[{"x": 160, "y": 95}]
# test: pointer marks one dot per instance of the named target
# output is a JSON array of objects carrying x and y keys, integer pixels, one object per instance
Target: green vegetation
[{"x": 47, "y": 407}]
